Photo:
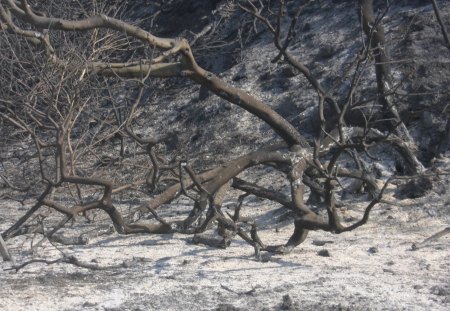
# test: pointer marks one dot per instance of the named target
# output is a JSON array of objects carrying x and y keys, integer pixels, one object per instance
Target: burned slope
[{"x": 328, "y": 40}]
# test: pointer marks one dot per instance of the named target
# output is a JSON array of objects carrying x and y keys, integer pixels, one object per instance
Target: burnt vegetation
[{"x": 84, "y": 86}]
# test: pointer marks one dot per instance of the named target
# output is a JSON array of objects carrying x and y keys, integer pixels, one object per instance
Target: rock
[
  {"x": 265, "y": 76},
  {"x": 88, "y": 304},
  {"x": 389, "y": 271},
  {"x": 417, "y": 27},
  {"x": 320, "y": 242},
  {"x": 427, "y": 119},
  {"x": 211, "y": 240},
  {"x": 415, "y": 188},
  {"x": 306, "y": 27},
  {"x": 289, "y": 72},
  {"x": 349, "y": 218},
  {"x": 226, "y": 307},
  {"x": 324, "y": 253},
  {"x": 203, "y": 93},
  {"x": 440, "y": 290},
  {"x": 373, "y": 250},
  {"x": 287, "y": 303},
  {"x": 326, "y": 52},
  {"x": 240, "y": 74}
]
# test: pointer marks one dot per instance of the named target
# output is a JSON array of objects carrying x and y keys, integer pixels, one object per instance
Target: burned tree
[{"x": 74, "y": 87}]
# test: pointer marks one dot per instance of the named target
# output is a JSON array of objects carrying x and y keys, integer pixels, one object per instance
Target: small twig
[
  {"x": 194, "y": 178},
  {"x": 157, "y": 217},
  {"x": 10, "y": 185},
  {"x": 250, "y": 292}
]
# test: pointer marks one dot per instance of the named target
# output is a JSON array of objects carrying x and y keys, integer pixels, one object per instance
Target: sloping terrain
[{"x": 328, "y": 44}]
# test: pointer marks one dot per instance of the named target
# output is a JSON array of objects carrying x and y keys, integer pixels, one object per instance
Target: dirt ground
[{"x": 372, "y": 268}]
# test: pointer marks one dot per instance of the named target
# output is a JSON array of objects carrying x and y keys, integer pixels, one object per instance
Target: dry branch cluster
[{"x": 73, "y": 85}]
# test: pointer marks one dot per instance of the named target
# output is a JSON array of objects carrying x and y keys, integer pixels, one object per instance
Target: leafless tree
[{"x": 70, "y": 105}]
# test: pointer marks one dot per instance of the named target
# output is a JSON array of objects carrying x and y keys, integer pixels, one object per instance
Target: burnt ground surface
[{"x": 372, "y": 268}]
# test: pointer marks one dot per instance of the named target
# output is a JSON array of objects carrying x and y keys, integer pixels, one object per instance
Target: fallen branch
[
  {"x": 427, "y": 241},
  {"x": 4, "y": 250},
  {"x": 70, "y": 260},
  {"x": 441, "y": 23},
  {"x": 250, "y": 292}
]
